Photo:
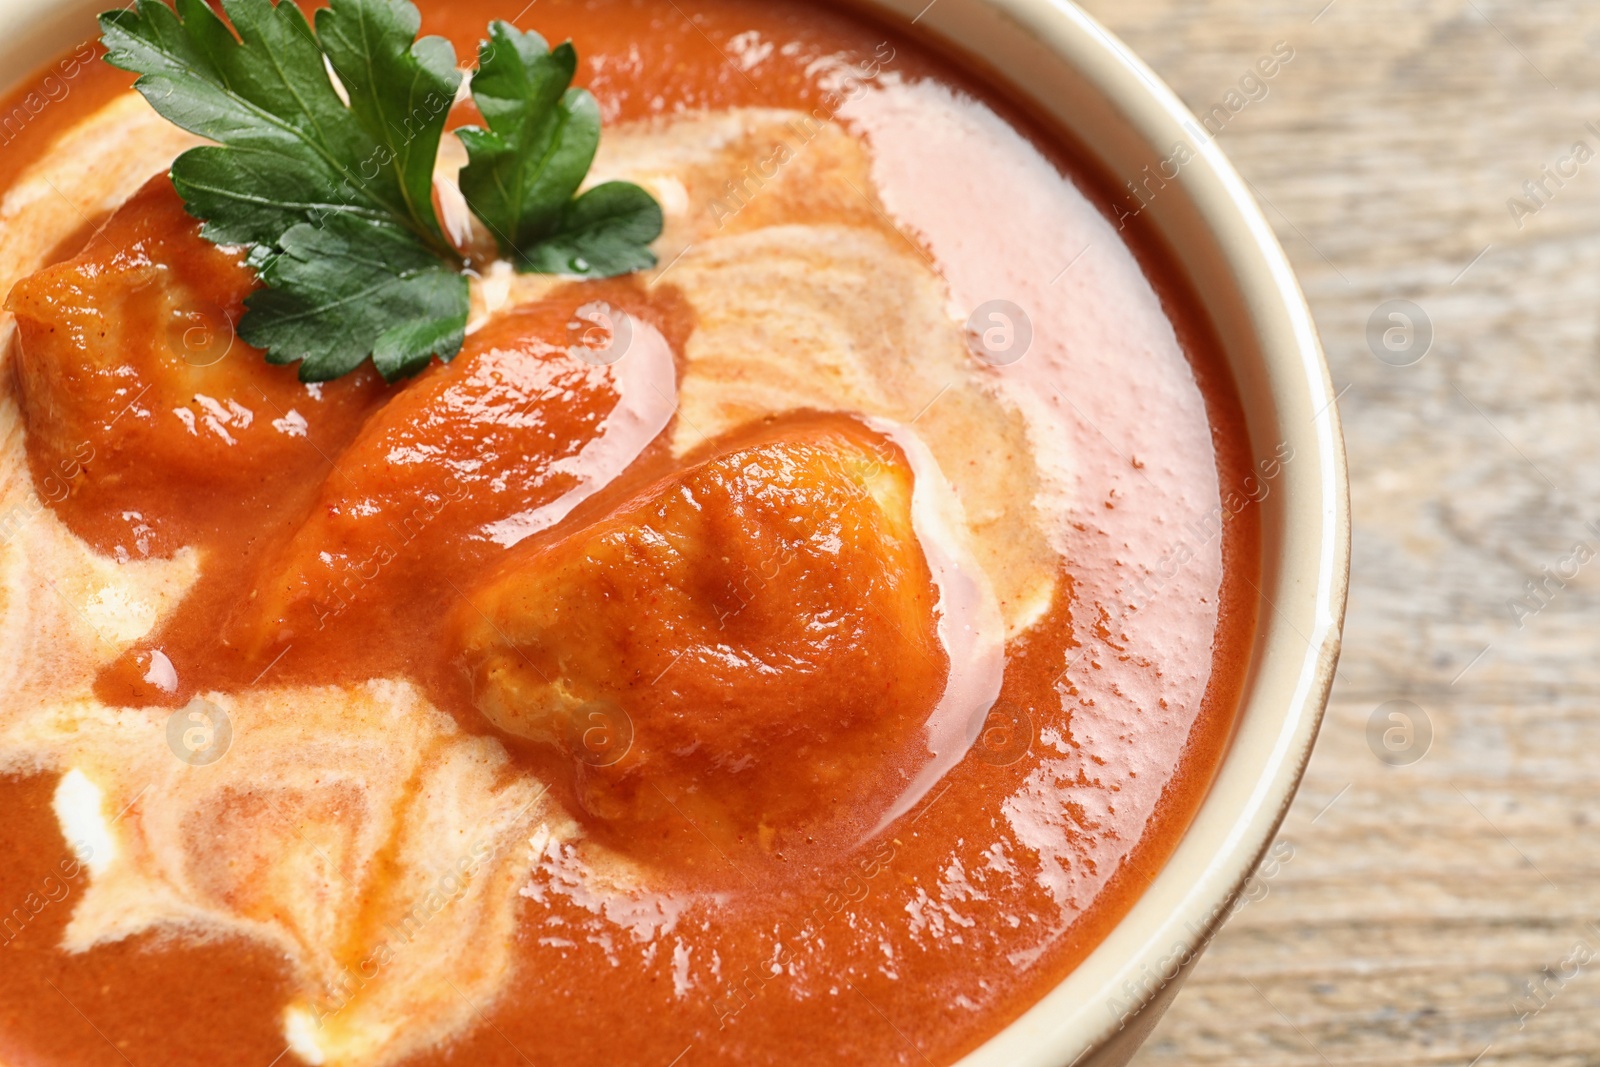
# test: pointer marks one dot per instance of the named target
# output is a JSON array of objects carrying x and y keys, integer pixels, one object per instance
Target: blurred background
[{"x": 1433, "y": 170}]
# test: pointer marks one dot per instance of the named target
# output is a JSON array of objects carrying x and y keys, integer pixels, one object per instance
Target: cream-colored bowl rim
[{"x": 1079, "y": 75}]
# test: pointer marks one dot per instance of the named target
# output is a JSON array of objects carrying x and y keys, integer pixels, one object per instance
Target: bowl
[{"x": 1072, "y": 72}]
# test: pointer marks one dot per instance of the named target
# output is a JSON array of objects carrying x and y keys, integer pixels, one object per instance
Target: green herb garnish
[
  {"x": 524, "y": 169},
  {"x": 328, "y": 178}
]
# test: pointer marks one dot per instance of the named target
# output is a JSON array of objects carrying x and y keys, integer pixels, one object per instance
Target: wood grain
[{"x": 1422, "y": 900}]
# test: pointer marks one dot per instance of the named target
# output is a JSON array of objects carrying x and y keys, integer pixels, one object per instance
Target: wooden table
[{"x": 1444, "y": 911}]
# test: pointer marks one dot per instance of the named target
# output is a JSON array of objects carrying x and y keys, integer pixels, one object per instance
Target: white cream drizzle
[
  {"x": 300, "y": 1030},
  {"x": 971, "y": 629},
  {"x": 79, "y": 808}
]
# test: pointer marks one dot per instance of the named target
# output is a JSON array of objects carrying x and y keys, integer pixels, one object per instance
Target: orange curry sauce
[{"x": 913, "y": 945}]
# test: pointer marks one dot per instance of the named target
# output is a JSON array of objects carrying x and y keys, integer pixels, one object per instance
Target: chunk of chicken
[
  {"x": 544, "y": 405},
  {"x": 135, "y": 388},
  {"x": 751, "y": 644}
]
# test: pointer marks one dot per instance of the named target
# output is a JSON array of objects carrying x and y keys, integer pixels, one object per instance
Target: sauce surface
[{"x": 723, "y": 940}]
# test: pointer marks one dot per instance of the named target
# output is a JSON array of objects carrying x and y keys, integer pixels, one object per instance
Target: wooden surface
[{"x": 1421, "y": 901}]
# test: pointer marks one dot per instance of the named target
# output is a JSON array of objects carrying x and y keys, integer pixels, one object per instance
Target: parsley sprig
[
  {"x": 523, "y": 170},
  {"x": 322, "y": 164}
]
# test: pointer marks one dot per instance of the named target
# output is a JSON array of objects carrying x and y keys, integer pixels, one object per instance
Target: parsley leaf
[
  {"x": 523, "y": 170},
  {"x": 337, "y": 199},
  {"x": 288, "y": 148},
  {"x": 351, "y": 286},
  {"x": 604, "y": 232},
  {"x": 399, "y": 91},
  {"x": 322, "y": 164}
]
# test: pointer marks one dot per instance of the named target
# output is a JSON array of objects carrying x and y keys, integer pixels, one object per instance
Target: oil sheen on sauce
[{"x": 920, "y": 941}]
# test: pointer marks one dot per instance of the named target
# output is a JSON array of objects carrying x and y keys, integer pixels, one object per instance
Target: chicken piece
[
  {"x": 545, "y": 404},
  {"x": 751, "y": 644},
  {"x": 136, "y": 390}
]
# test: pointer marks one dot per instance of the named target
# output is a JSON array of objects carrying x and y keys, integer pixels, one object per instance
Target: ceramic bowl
[{"x": 1074, "y": 73}]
